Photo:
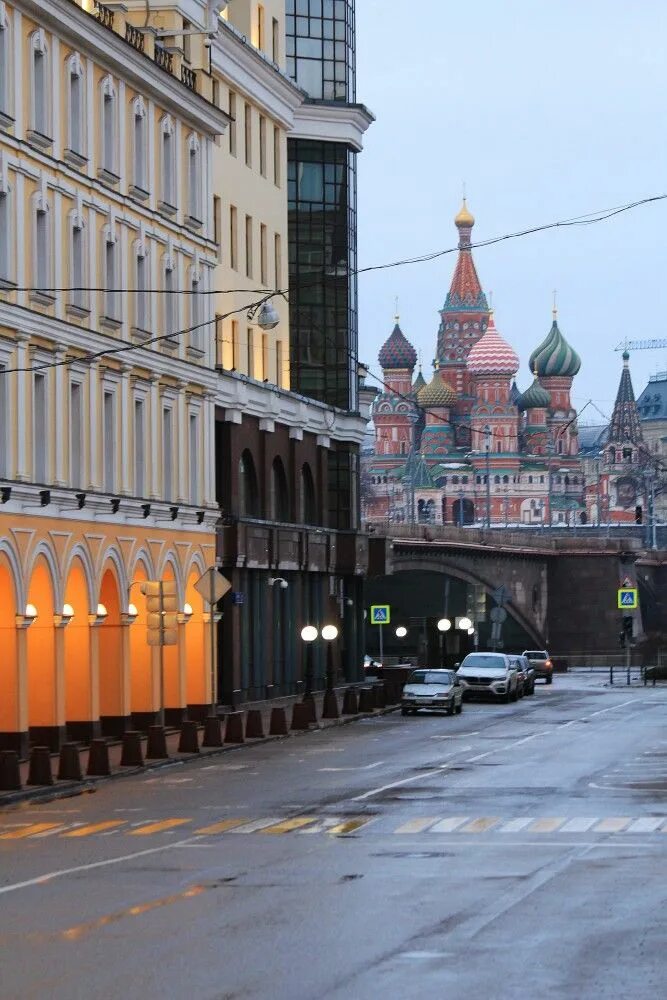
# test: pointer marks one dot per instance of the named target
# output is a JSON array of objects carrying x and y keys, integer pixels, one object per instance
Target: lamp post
[
  {"x": 444, "y": 625},
  {"x": 487, "y": 440},
  {"x": 329, "y": 633},
  {"x": 309, "y": 635},
  {"x": 282, "y": 583}
]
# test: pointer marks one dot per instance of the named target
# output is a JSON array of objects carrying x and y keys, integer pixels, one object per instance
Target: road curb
[{"x": 89, "y": 785}]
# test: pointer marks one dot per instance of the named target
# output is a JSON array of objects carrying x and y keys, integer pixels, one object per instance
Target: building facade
[{"x": 468, "y": 447}]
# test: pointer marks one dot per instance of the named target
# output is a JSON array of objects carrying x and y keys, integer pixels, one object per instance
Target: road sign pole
[
  {"x": 161, "y": 714},
  {"x": 628, "y": 660},
  {"x": 381, "y": 646}
]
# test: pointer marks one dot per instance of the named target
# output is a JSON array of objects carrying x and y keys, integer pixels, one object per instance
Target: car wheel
[
  {"x": 549, "y": 679},
  {"x": 520, "y": 692},
  {"x": 451, "y": 708},
  {"x": 507, "y": 698},
  {"x": 514, "y": 695}
]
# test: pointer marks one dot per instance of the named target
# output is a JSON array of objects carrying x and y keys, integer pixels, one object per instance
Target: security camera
[{"x": 208, "y": 41}]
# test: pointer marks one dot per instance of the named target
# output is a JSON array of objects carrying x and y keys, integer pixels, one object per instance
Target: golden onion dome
[
  {"x": 436, "y": 393},
  {"x": 465, "y": 216}
]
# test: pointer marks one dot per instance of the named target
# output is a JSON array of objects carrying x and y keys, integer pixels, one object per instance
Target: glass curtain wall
[{"x": 320, "y": 48}]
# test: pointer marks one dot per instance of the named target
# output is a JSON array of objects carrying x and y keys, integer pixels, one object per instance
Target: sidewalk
[{"x": 62, "y": 789}]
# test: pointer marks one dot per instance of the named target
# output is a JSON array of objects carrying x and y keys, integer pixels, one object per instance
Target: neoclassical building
[{"x": 468, "y": 446}]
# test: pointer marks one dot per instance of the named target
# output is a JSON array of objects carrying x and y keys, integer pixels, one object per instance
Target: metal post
[
  {"x": 381, "y": 645},
  {"x": 628, "y": 660},
  {"x": 654, "y": 534},
  {"x": 161, "y": 714},
  {"x": 611, "y": 674},
  {"x": 214, "y": 672},
  {"x": 309, "y": 669},
  {"x": 329, "y": 680}
]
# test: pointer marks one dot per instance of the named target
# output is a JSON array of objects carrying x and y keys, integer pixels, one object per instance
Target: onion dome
[
  {"x": 465, "y": 216},
  {"x": 535, "y": 397},
  {"x": 554, "y": 356},
  {"x": 436, "y": 393},
  {"x": 397, "y": 351},
  {"x": 492, "y": 355},
  {"x": 419, "y": 382}
]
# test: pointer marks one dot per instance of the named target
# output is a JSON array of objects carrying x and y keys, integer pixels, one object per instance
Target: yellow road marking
[
  {"x": 417, "y": 825},
  {"x": 613, "y": 824},
  {"x": 480, "y": 825},
  {"x": 547, "y": 825},
  {"x": 165, "y": 824},
  {"x": 80, "y": 930},
  {"x": 86, "y": 831},
  {"x": 289, "y": 824},
  {"x": 349, "y": 826},
  {"x": 29, "y": 831},
  {"x": 222, "y": 826}
]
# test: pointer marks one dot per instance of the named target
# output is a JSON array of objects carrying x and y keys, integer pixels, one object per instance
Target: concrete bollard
[
  {"x": 98, "y": 759},
  {"x": 234, "y": 728},
  {"x": 39, "y": 771},
  {"x": 69, "y": 765},
  {"x": 309, "y": 702},
  {"x": 254, "y": 725},
  {"x": 212, "y": 732},
  {"x": 300, "y": 716},
  {"x": 132, "y": 754},
  {"x": 189, "y": 739},
  {"x": 390, "y": 690},
  {"x": 330, "y": 707},
  {"x": 366, "y": 699},
  {"x": 10, "y": 774},
  {"x": 379, "y": 696},
  {"x": 350, "y": 702},
  {"x": 278, "y": 724},
  {"x": 157, "y": 743}
]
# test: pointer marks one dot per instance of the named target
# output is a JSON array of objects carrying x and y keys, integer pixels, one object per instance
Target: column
[
  {"x": 23, "y": 463},
  {"x": 125, "y": 436},
  {"x": 94, "y": 423},
  {"x": 208, "y": 456},
  {"x": 60, "y": 422},
  {"x": 182, "y": 459},
  {"x": 154, "y": 424}
]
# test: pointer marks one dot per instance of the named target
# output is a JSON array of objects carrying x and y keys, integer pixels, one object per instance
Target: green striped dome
[
  {"x": 535, "y": 397},
  {"x": 554, "y": 356}
]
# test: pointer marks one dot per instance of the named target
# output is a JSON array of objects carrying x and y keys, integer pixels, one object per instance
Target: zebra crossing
[{"x": 334, "y": 826}]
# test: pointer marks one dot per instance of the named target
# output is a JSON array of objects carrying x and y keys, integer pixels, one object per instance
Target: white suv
[{"x": 489, "y": 675}]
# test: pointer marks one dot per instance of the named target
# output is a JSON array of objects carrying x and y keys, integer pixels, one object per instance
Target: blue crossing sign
[
  {"x": 627, "y": 598},
  {"x": 380, "y": 614}
]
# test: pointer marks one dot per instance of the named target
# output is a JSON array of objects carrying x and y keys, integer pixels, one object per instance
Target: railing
[
  {"x": 189, "y": 78},
  {"x": 104, "y": 14},
  {"x": 134, "y": 37},
  {"x": 164, "y": 59}
]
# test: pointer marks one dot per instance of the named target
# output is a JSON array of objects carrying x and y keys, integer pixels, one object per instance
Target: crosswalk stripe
[
  {"x": 546, "y": 825},
  {"x": 87, "y": 831},
  {"x": 29, "y": 831},
  {"x": 257, "y": 825},
  {"x": 647, "y": 824},
  {"x": 350, "y": 825},
  {"x": 160, "y": 827},
  {"x": 480, "y": 825},
  {"x": 323, "y": 826},
  {"x": 580, "y": 824},
  {"x": 613, "y": 824},
  {"x": 417, "y": 825},
  {"x": 289, "y": 824},
  {"x": 222, "y": 826},
  {"x": 449, "y": 825},
  {"x": 515, "y": 825}
]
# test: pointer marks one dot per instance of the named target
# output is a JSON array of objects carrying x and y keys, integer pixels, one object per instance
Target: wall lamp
[
  {"x": 66, "y": 614},
  {"x": 132, "y": 614},
  {"x": 464, "y": 623},
  {"x": 44, "y": 498},
  {"x": 280, "y": 580},
  {"x": 185, "y": 615},
  {"x": 115, "y": 504},
  {"x": 146, "y": 509},
  {"x": 401, "y": 632},
  {"x": 5, "y": 494},
  {"x": 30, "y": 614},
  {"x": 100, "y": 616},
  {"x": 80, "y": 500},
  {"x": 200, "y": 517},
  {"x": 173, "y": 512}
]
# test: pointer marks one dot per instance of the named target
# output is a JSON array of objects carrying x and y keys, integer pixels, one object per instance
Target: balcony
[
  {"x": 163, "y": 58},
  {"x": 105, "y": 15},
  {"x": 134, "y": 37},
  {"x": 189, "y": 78}
]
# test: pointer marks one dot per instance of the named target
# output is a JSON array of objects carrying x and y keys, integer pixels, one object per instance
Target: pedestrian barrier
[
  {"x": 278, "y": 723},
  {"x": 350, "y": 702},
  {"x": 132, "y": 754},
  {"x": 254, "y": 725},
  {"x": 10, "y": 774},
  {"x": 39, "y": 769},
  {"x": 212, "y": 732},
  {"x": 300, "y": 716},
  {"x": 330, "y": 709},
  {"x": 379, "y": 696},
  {"x": 189, "y": 739},
  {"x": 309, "y": 701},
  {"x": 69, "y": 765},
  {"x": 157, "y": 743},
  {"x": 234, "y": 728},
  {"x": 366, "y": 699},
  {"x": 98, "y": 759}
]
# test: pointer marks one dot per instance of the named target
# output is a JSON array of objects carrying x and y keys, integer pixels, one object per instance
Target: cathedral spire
[
  {"x": 625, "y": 425},
  {"x": 465, "y": 291}
]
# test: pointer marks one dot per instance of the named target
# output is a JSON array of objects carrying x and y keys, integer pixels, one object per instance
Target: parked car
[
  {"x": 541, "y": 663},
  {"x": 489, "y": 675},
  {"x": 371, "y": 667},
  {"x": 526, "y": 673},
  {"x": 432, "y": 689}
]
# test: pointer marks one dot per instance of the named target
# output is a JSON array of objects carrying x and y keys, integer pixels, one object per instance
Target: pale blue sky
[{"x": 546, "y": 111}]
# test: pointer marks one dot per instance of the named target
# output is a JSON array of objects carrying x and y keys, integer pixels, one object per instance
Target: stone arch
[
  {"x": 141, "y": 654},
  {"x": 10, "y": 682},
  {"x": 142, "y": 557},
  {"x": 79, "y": 678},
  {"x": 44, "y": 685},
  {"x": 14, "y": 566},
  {"x": 170, "y": 569},
  {"x": 110, "y": 645},
  {"x": 45, "y": 551},
  {"x": 82, "y": 554},
  {"x": 113, "y": 557}
]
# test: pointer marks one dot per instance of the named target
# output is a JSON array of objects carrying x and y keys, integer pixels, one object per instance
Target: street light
[
  {"x": 401, "y": 632},
  {"x": 444, "y": 625},
  {"x": 464, "y": 623},
  {"x": 309, "y": 635},
  {"x": 329, "y": 633}
]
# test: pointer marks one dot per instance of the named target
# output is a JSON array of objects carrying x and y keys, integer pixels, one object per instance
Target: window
[
  {"x": 42, "y": 250},
  {"x": 141, "y": 307},
  {"x": 247, "y": 122},
  {"x": 278, "y": 259},
  {"x": 236, "y": 363},
  {"x": 111, "y": 296},
  {"x": 261, "y": 24},
  {"x": 109, "y": 418},
  {"x": 215, "y": 93},
  {"x": 275, "y": 40},
  {"x": 265, "y": 357},
  {"x": 251, "y": 352},
  {"x": 263, "y": 262},
  {"x": 276, "y": 156},
  {"x": 320, "y": 48},
  {"x": 248, "y": 491},
  {"x": 76, "y": 109},
  {"x": 40, "y": 429},
  {"x": 194, "y": 460},
  {"x": 75, "y": 434},
  {"x": 78, "y": 297},
  {"x": 279, "y": 497},
  {"x": 262, "y": 145},
  {"x": 167, "y": 453},
  {"x": 187, "y": 41},
  {"x": 342, "y": 471},
  {"x": 5, "y": 66},
  {"x": 233, "y": 238},
  {"x": 248, "y": 246},
  {"x": 6, "y": 254},
  {"x": 139, "y": 448},
  {"x": 168, "y": 164},
  {"x": 196, "y": 332},
  {"x": 232, "y": 124},
  {"x": 139, "y": 147},
  {"x": 194, "y": 180},
  {"x": 217, "y": 219},
  {"x": 170, "y": 299},
  {"x": 308, "y": 512},
  {"x": 41, "y": 91},
  {"x": 4, "y": 422},
  {"x": 109, "y": 138}
]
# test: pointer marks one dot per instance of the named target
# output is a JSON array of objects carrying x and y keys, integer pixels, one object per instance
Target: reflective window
[{"x": 319, "y": 35}]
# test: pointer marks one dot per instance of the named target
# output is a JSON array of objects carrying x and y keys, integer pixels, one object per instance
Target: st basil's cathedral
[{"x": 468, "y": 446}]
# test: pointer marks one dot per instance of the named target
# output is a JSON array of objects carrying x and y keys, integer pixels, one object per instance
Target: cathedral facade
[{"x": 468, "y": 447}]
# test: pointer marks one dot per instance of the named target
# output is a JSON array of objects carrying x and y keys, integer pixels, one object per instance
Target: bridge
[{"x": 562, "y": 584}]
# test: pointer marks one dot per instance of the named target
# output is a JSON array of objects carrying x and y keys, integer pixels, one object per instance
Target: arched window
[
  {"x": 77, "y": 102},
  {"x": 506, "y": 480},
  {"x": 142, "y": 284},
  {"x": 496, "y": 480},
  {"x": 109, "y": 132},
  {"x": 308, "y": 512},
  {"x": 41, "y": 91},
  {"x": 279, "y": 497},
  {"x": 168, "y": 153},
  {"x": 5, "y": 69},
  {"x": 194, "y": 181},
  {"x": 248, "y": 490},
  {"x": 139, "y": 152}
]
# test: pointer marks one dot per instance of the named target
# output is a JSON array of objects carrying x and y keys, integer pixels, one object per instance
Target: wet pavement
[{"x": 509, "y": 852}]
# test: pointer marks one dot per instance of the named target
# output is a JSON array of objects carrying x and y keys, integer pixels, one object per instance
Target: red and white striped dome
[{"x": 492, "y": 355}]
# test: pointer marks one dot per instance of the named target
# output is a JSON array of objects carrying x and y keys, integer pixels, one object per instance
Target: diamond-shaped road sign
[{"x": 212, "y": 585}]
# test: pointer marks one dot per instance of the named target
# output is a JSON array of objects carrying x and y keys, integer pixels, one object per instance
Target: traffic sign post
[
  {"x": 213, "y": 586},
  {"x": 627, "y": 598},
  {"x": 381, "y": 615}
]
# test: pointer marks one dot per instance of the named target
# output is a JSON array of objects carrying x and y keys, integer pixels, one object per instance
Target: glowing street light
[
  {"x": 444, "y": 625},
  {"x": 401, "y": 632}
]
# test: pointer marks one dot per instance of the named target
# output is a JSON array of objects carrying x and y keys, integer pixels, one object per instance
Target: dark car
[{"x": 526, "y": 674}]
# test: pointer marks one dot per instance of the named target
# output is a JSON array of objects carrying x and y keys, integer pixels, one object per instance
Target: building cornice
[
  {"x": 333, "y": 122},
  {"x": 67, "y": 20}
]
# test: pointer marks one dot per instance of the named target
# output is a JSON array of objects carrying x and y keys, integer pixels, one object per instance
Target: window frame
[
  {"x": 41, "y": 112},
  {"x": 6, "y": 69},
  {"x": 108, "y": 169},
  {"x": 139, "y": 188},
  {"x": 77, "y": 148},
  {"x": 168, "y": 179}
]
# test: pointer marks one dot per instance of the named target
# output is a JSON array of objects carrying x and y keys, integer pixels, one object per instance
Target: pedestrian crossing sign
[
  {"x": 380, "y": 614},
  {"x": 627, "y": 598}
]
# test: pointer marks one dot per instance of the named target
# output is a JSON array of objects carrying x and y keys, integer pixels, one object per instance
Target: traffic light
[
  {"x": 161, "y": 612},
  {"x": 639, "y": 514}
]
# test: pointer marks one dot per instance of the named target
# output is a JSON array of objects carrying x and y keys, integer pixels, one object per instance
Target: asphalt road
[{"x": 511, "y": 852}]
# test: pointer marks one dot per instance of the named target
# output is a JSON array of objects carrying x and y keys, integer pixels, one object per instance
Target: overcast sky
[{"x": 547, "y": 111}]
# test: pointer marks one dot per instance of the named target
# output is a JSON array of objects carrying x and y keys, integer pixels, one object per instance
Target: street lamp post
[
  {"x": 444, "y": 625},
  {"x": 309, "y": 635},
  {"x": 487, "y": 437},
  {"x": 329, "y": 633}
]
